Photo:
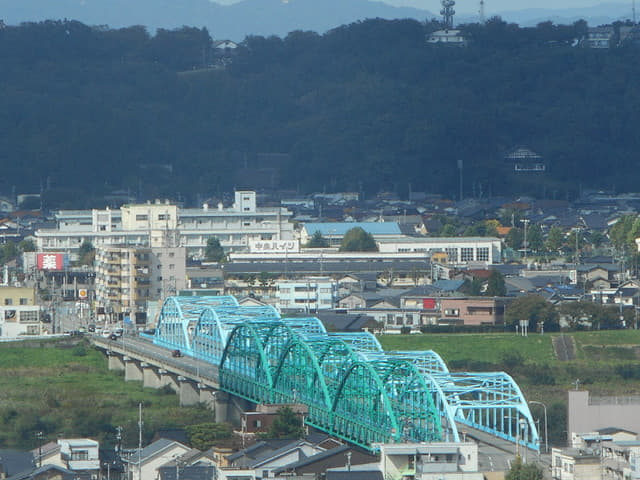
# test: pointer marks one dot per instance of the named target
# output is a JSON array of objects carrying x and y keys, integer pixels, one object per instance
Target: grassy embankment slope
[
  {"x": 605, "y": 363},
  {"x": 67, "y": 390}
]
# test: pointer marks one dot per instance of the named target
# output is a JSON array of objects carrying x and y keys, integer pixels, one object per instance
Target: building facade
[
  {"x": 459, "y": 251},
  {"x": 128, "y": 277},
  {"x": 145, "y": 224},
  {"x": 307, "y": 294}
]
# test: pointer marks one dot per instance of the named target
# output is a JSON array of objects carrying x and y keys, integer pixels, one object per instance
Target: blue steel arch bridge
[{"x": 353, "y": 388}]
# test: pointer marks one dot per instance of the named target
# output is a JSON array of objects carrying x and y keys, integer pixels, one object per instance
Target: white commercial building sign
[{"x": 274, "y": 246}]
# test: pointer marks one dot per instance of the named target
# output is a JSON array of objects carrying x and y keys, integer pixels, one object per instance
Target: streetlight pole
[{"x": 546, "y": 438}]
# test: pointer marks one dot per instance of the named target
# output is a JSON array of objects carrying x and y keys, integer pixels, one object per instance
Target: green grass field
[{"x": 70, "y": 391}]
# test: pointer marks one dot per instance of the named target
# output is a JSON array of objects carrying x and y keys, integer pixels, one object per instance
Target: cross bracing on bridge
[{"x": 353, "y": 388}]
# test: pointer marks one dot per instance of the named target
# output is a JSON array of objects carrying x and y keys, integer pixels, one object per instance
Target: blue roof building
[{"x": 334, "y": 231}]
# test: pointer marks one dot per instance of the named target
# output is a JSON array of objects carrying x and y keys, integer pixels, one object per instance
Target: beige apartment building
[{"x": 128, "y": 277}]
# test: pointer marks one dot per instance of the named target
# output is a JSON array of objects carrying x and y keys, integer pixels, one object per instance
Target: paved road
[{"x": 198, "y": 369}]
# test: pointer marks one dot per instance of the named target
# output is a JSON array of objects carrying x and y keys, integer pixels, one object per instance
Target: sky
[{"x": 467, "y": 6}]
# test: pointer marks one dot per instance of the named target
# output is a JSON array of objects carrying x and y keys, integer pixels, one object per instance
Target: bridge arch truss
[{"x": 352, "y": 387}]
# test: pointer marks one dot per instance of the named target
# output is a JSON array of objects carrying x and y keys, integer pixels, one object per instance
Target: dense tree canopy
[
  {"x": 358, "y": 240},
  {"x": 367, "y": 106}
]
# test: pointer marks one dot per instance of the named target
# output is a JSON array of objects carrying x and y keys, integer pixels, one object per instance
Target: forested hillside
[{"x": 368, "y": 106}]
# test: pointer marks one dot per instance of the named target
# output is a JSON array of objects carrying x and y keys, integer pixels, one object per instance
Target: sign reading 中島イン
[
  {"x": 51, "y": 261},
  {"x": 274, "y": 246}
]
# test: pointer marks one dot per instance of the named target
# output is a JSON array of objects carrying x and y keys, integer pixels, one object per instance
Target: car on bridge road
[{"x": 176, "y": 353}]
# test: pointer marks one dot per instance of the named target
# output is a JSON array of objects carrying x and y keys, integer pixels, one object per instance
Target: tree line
[{"x": 368, "y": 106}]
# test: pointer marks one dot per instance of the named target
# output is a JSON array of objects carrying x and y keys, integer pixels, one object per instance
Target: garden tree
[
  {"x": 266, "y": 280},
  {"x": 514, "y": 238},
  {"x": 510, "y": 216},
  {"x": 357, "y": 240},
  {"x": 575, "y": 239},
  {"x": 472, "y": 287},
  {"x": 203, "y": 436},
  {"x": 524, "y": 471},
  {"x": 448, "y": 230},
  {"x": 286, "y": 425},
  {"x": 483, "y": 228},
  {"x": 533, "y": 308},
  {"x": 575, "y": 312},
  {"x": 27, "y": 245},
  {"x": 86, "y": 253},
  {"x": 555, "y": 239},
  {"x": 595, "y": 238},
  {"x": 317, "y": 241},
  {"x": 8, "y": 251},
  {"x": 624, "y": 232},
  {"x": 535, "y": 240},
  {"x": 495, "y": 285},
  {"x": 214, "y": 252}
]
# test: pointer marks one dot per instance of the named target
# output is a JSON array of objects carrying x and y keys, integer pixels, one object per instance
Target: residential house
[
  {"x": 574, "y": 464},
  {"x": 523, "y": 160},
  {"x": 600, "y": 37},
  {"x": 13, "y": 462},
  {"x": 146, "y": 462},
  {"x": 472, "y": 310},
  {"x": 49, "y": 472},
  {"x": 447, "y": 37},
  {"x": 263, "y": 417},
  {"x": 264, "y": 457},
  {"x": 430, "y": 461},
  {"x": 316, "y": 465},
  {"x": 192, "y": 465}
]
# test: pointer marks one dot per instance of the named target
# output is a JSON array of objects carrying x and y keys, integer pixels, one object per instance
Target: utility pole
[
  {"x": 525, "y": 221},
  {"x": 139, "y": 440}
]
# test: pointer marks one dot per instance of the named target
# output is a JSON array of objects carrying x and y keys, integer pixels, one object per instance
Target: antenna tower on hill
[
  {"x": 447, "y": 13},
  {"x": 482, "y": 11},
  {"x": 633, "y": 11}
]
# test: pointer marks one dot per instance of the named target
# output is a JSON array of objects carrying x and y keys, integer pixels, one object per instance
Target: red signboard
[
  {"x": 50, "y": 261},
  {"x": 429, "y": 303}
]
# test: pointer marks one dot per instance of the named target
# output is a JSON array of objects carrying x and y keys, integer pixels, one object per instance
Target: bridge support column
[
  {"x": 151, "y": 376},
  {"x": 168, "y": 379},
  {"x": 115, "y": 362},
  {"x": 221, "y": 406},
  {"x": 132, "y": 370},
  {"x": 188, "y": 391}
]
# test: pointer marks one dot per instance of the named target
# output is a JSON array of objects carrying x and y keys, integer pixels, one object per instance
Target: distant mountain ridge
[
  {"x": 248, "y": 17},
  {"x": 269, "y": 17}
]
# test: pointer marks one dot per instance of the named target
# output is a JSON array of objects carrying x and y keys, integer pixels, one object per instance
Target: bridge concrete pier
[
  {"x": 115, "y": 362},
  {"x": 188, "y": 391},
  {"x": 132, "y": 370},
  {"x": 150, "y": 376},
  {"x": 168, "y": 379}
]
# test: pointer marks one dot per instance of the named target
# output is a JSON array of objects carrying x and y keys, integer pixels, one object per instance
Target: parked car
[{"x": 113, "y": 336}]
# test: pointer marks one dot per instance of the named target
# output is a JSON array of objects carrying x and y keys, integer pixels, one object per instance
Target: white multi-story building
[
  {"x": 147, "y": 225},
  {"x": 306, "y": 294},
  {"x": 459, "y": 250}
]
